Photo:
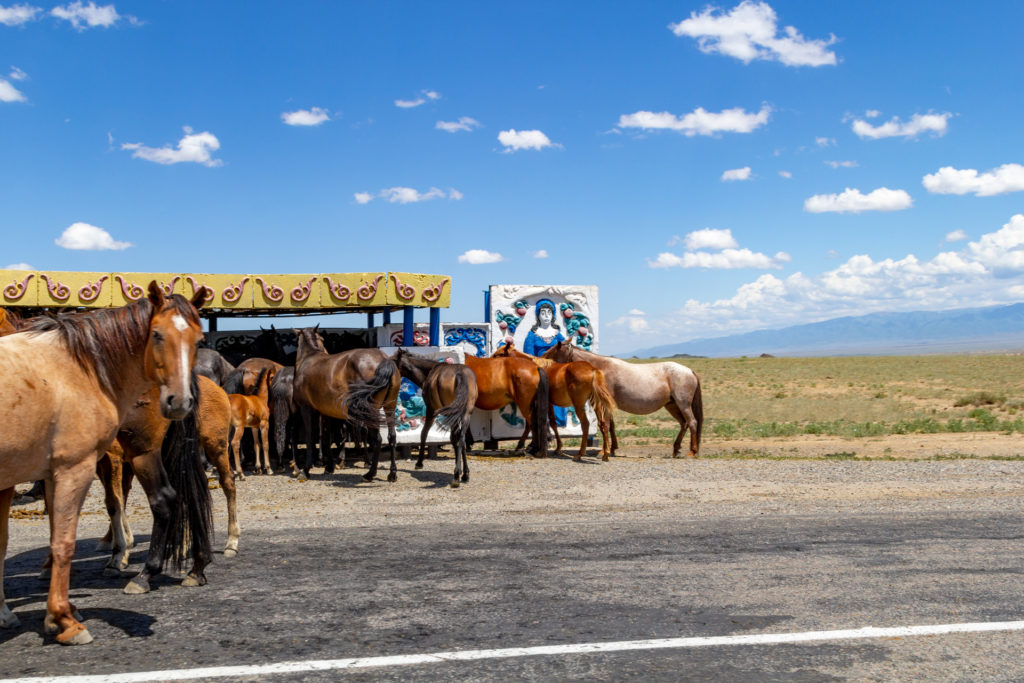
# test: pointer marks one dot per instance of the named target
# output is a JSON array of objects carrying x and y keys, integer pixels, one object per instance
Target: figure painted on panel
[{"x": 545, "y": 333}]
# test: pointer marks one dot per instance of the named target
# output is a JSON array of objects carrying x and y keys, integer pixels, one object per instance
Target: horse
[
  {"x": 573, "y": 384},
  {"x": 351, "y": 385},
  {"x": 643, "y": 388},
  {"x": 252, "y": 412},
  {"x": 284, "y": 414},
  {"x": 268, "y": 344},
  {"x": 210, "y": 363},
  {"x": 70, "y": 381},
  {"x": 8, "y": 322},
  {"x": 139, "y": 446},
  {"x": 242, "y": 380},
  {"x": 501, "y": 381},
  {"x": 450, "y": 393}
]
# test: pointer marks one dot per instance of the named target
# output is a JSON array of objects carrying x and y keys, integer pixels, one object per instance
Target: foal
[{"x": 252, "y": 412}]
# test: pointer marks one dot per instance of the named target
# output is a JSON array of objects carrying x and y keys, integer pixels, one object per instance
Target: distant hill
[{"x": 993, "y": 328}]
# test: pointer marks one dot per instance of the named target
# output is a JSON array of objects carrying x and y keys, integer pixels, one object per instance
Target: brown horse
[
  {"x": 139, "y": 446},
  {"x": 572, "y": 385},
  {"x": 501, "y": 381},
  {"x": 70, "y": 381},
  {"x": 351, "y": 385},
  {"x": 643, "y": 388},
  {"x": 252, "y": 412},
  {"x": 8, "y": 322},
  {"x": 450, "y": 393}
]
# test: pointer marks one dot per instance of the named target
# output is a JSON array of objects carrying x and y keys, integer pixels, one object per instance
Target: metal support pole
[
  {"x": 386, "y": 315},
  {"x": 211, "y": 323},
  {"x": 407, "y": 327},
  {"x": 369, "y": 321},
  {"x": 435, "y": 326}
]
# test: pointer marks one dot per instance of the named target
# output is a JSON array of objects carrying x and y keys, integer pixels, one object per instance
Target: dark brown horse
[
  {"x": 70, "y": 381},
  {"x": 211, "y": 364},
  {"x": 642, "y": 388},
  {"x": 572, "y": 385},
  {"x": 140, "y": 445},
  {"x": 352, "y": 385},
  {"x": 501, "y": 381},
  {"x": 450, "y": 394}
]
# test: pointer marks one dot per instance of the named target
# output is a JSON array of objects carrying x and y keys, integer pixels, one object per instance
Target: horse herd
[{"x": 127, "y": 392}]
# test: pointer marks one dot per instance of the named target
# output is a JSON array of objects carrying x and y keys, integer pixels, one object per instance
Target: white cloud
[
  {"x": 852, "y": 201},
  {"x": 842, "y": 164},
  {"x": 407, "y": 195},
  {"x": 726, "y": 254},
  {"x": 193, "y": 147},
  {"x": 709, "y": 238},
  {"x": 737, "y": 174},
  {"x": 523, "y": 139},
  {"x": 464, "y": 123},
  {"x": 955, "y": 236},
  {"x": 15, "y": 15},
  {"x": 785, "y": 174},
  {"x": 17, "y": 74},
  {"x": 8, "y": 93},
  {"x": 699, "y": 121},
  {"x": 19, "y": 266},
  {"x": 82, "y": 236},
  {"x": 540, "y": 253},
  {"x": 634, "y": 322},
  {"x": 306, "y": 117},
  {"x": 919, "y": 123},
  {"x": 948, "y": 180},
  {"x": 825, "y": 142},
  {"x": 872, "y": 114},
  {"x": 750, "y": 31},
  {"x": 420, "y": 99},
  {"x": 478, "y": 256},
  {"x": 87, "y": 16}
]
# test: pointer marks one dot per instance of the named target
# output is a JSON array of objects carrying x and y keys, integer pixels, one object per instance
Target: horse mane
[
  {"x": 102, "y": 341},
  {"x": 13, "y": 317}
]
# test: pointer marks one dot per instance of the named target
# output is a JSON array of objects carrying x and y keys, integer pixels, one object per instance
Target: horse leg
[
  {"x": 150, "y": 471},
  {"x": 374, "y": 443},
  {"x": 70, "y": 488},
  {"x": 7, "y": 617},
  {"x": 236, "y": 442},
  {"x": 109, "y": 467},
  {"x": 265, "y": 437},
  {"x": 428, "y": 421},
  {"x": 389, "y": 412},
  {"x": 675, "y": 412},
  {"x": 554, "y": 426},
  {"x": 463, "y": 447},
  {"x": 307, "y": 423},
  {"x": 326, "y": 442},
  {"x": 615, "y": 439},
  {"x": 580, "y": 406},
  {"x": 216, "y": 449}
]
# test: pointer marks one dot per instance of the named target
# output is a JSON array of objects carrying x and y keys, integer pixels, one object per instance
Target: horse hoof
[
  {"x": 604, "y": 458},
  {"x": 75, "y": 635},
  {"x": 577, "y": 458},
  {"x": 191, "y": 581},
  {"x": 136, "y": 587},
  {"x": 455, "y": 483},
  {"x": 465, "y": 478},
  {"x": 392, "y": 477},
  {"x": 418, "y": 466},
  {"x": 8, "y": 618},
  {"x": 367, "y": 477}
]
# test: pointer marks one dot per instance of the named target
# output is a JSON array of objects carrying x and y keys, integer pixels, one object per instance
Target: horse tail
[
  {"x": 539, "y": 413},
  {"x": 601, "y": 398},
  {"x": 697, "y": 404},
  {"x": 190, "y": 524},
  {"x": 454, "y": 416},
  {"x": 358, "y": 400}
]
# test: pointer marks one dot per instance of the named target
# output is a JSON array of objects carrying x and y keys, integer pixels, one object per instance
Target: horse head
[
  {"x": 174, "y": 336},
  {"x": 309, "y": 342},
  {"x": 561, "y": 352}
]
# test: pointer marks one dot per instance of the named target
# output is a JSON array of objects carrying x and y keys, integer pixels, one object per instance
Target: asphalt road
[{"x": 328, "y": 593}]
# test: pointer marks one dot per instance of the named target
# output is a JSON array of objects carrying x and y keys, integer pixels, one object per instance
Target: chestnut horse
[
  {"x": 8, "y": 322},
  {"x": 642, "y": 388},
  {"x": 252, "y": 412},
  {"x": 70, "y": 381},
  {"x": 572, "y": 385},
  {"x": 501, "y": 381},
  {"x": 351, "y": 385},
  {"x": 450, "y": 393},
  {"x": 139, "y": 445}
]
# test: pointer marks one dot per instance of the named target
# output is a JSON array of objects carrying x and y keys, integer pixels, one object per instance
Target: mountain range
[{"x": 992, "y": 328}]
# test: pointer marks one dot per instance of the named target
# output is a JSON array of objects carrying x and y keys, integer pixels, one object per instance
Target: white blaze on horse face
[{"x": 181, "y": 325}]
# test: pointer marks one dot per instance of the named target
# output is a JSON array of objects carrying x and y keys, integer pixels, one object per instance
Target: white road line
[{"x": 582, "y": 648}]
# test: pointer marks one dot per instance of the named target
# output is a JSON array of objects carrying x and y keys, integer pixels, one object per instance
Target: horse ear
[
  {"x": 198, "y": 298},
  {"x": 156, "y": 295}
]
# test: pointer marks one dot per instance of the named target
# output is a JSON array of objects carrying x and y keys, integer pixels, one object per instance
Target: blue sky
[{"x": 713, "y": 168}]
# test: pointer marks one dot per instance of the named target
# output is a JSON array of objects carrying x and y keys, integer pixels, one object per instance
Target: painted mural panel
[
  {"x": 74, "y": 289},
  {"x": 536, "y": 317},
  {"x": 411, "y": 410},
  {"x": 19, "y": 288},
  {"x": 339, "y": 290},
  {"x": 130, "y": 287},
  {"x": 286, "y": 291},
  {"x": 222, "y": 291}
]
